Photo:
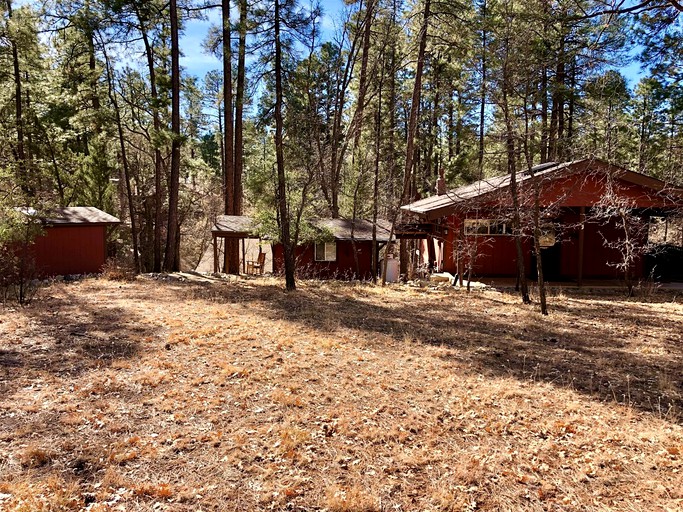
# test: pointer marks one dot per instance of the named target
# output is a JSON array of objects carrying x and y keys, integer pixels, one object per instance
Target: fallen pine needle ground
[{"x": 168, "y": 395}]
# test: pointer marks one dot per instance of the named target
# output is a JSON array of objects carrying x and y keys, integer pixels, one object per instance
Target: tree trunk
[
  {"x": 512, "y": 170},
  {"x": 221, "y": 143},
  {"x": 544, "y": 115},
  {"x": 171, "y": 262},
  {"x": 451, "y": 127},
  {"x": 408, "y": 174},
  {"x": 556, "y": 144},
  {"x": 516, "y": 216},
  {"x": 482, "y": 97},
  {"x": 231, "y": 246},
  {"x": 338, "y": 143},
  {"x": 92, "y": 67},
  {"x": 375, "y": 186},
  {"x": 415, "y": 106},
  {"x": 642, "y": 137},
  {"x": 537, "y": 250},
  {"x": 124, "y": 162},
  {"x": 391, "y": 107},
  {"x": 20, "y": 155},
  {"x": 158, "y": 162},
  {"x": 239, "y": 106},
  {"x": 362, "y": 79},
  {"x": 432, "y": 164},
  {"x": 537, "y": 206},
  {"x": 544, "y": 87},
  {"x": 560, "y": 78},
  {"x": 290, "y": 283},
  {"x": 571, "y": 107}
]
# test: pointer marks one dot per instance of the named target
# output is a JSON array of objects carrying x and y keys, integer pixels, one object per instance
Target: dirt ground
[{"x": 162, "y": 394}]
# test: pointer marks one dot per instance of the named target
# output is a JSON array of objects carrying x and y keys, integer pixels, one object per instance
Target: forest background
[{"x": 347, "y": 113}]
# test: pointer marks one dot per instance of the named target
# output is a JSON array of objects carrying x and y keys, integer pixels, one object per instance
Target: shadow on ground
[
  {"x": 69, "y": 335},
  {"x": 606, "y": 348},
  {"x": 597, "y": 346}
]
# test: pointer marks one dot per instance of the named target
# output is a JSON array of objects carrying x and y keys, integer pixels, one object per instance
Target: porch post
[
  {"x": 431, "y": 252},
  {"x": 215, "y": 254},
  {"x": 582, "y": 221},
  {"x": 244, "y": 257},
  {"x": 461, "y": 245}
]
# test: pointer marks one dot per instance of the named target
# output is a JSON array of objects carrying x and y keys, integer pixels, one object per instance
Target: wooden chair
[{"x": 257, "y": 266}]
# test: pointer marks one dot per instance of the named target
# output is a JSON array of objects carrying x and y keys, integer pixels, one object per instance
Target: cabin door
[{"x": 551, "y": 258}]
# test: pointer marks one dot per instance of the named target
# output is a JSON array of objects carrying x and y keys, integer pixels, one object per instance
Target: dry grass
[{"x": 167, "y": 395}]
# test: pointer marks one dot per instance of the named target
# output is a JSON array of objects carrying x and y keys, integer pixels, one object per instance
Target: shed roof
[
  {"x": 242, "y": 226},
  {"x": 73, "y": 215},
  {"x": 445, "y": 204},
  {"x": 362, "y": 229},
  {"x": 235, "y": 226}
]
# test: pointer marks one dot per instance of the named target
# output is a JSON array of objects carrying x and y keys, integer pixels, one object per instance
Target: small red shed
[
  {"x": 73, "y": 241},
  {"x": 581, "y": 239},
  {"x": 346, "y": 255}
]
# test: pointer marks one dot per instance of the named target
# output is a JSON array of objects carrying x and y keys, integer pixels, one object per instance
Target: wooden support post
[
  {"x": 461, "y": 244},
  {"x": 215, "y": 254},
  {"x": 244, "y": 257},
  {"x": 431, "y": 253},
  {"x": 582, "y": 234},
  {"x": 439, "y": 261}
]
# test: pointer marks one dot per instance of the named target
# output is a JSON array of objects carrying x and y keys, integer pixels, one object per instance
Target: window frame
[
  {"x": 487, "y": 227},
  {"x": 329, "y": 250}
]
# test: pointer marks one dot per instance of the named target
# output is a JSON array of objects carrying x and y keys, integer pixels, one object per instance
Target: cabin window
[
  {"x": 488, "y": 227},
  {"x": 326, "y": 251}
]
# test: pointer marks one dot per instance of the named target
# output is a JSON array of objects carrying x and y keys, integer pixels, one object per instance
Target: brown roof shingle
[
  {"x": 240, "y": 226},
  {"x": 73, "y": 215},
  {"x": 362, "y": 229}
]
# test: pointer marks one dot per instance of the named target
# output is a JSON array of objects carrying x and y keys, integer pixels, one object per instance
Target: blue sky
[{"x": 196, "y": 62}]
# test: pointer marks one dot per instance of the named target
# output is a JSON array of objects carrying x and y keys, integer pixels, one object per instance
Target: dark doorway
[
  {"x": 665, "y": 263},
  {"x": 551, "y": 259}
]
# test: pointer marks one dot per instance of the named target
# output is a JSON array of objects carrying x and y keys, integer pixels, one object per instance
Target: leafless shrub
[
  {"x": 118, "y": 270},
  {"x": 618, "y": 211},
  {"x": 18, "y": 276}
]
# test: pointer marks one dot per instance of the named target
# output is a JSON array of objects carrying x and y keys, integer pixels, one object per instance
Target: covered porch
[{"x": 243, "y": 229}]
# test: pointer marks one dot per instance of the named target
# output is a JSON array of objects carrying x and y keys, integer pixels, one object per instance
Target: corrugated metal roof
[
  {"x": 362, "y": 229},
  {"x": 73, "y": 215}
]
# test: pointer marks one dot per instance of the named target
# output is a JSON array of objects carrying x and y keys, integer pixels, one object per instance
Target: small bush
[
  {"x": 35, "y": 457},
  {"x": 116, "y": 270},
  {"x": 18, "y": 276}
]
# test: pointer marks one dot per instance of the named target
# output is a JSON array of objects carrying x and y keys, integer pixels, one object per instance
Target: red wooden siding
[
  {"x": 588, "y": 189},
  {"x": 599, "y": 261},
  {"x": 497, "y": 255},
  {"x": 63, "y": 250},
  {"x": 582, "y": 184},
  {"x": 343, "y": 268},
  {"x": 579, "y": 189}
]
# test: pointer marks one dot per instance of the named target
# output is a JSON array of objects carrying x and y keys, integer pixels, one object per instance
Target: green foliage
[
  {"x": 211, "y": 152},
  {"x": 556, "y": 62}
]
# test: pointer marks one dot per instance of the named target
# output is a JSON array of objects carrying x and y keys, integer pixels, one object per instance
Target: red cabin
[
  {"x": 589, "y": 212},
  {"x": 346, "y": 253},
  {"x": 73, "y": 241}
]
